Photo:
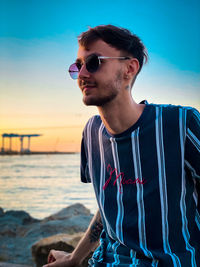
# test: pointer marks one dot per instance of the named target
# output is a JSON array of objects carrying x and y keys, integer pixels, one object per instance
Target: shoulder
[
  {"x": 175, "y": 113},
  {"x": 93, "y": 123},
  {"x": 172, "y": 109}
]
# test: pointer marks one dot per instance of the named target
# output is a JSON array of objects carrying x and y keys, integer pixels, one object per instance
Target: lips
[{"x": 87, "y": 87}]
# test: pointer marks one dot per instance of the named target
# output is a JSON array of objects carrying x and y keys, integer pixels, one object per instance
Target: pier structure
[{"x": 21, "y": 138}]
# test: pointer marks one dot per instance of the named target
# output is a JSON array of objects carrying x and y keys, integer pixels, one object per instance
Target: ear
[{"x": 132, "y": 68}]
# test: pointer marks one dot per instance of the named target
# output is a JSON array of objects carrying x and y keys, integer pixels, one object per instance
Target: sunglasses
[{"x": 92, "y": 63}]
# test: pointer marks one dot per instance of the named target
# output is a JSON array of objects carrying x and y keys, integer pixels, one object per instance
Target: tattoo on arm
[{"x": 95, "y": 230}]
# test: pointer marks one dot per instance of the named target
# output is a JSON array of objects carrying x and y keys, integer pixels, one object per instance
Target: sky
[{"x": 38, "y": 42}]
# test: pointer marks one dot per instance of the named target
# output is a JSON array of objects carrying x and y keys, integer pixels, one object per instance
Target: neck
[{"x": 119, "y": 115}]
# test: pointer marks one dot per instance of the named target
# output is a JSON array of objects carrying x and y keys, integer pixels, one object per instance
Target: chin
[
  {"x": 90, "y": 102},
  {"x": 94, "y": 101}
]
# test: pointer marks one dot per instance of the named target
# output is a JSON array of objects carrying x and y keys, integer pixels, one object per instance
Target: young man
[{"x": 143, "y": 160}]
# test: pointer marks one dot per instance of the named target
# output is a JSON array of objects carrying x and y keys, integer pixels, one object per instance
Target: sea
[{"x": 43, "y": 184}]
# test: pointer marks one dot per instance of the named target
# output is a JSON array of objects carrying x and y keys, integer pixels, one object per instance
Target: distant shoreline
[{"x": 12, "y": 153}]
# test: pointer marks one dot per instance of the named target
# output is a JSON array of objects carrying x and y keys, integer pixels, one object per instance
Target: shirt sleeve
[
  {"x": 85, "y": 177},
  {"x": 192, "y": 146}
]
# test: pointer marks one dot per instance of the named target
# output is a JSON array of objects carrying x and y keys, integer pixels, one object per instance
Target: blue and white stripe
[
  {"x": 192, "y": 170},
  {"x": 163, "y": 186},
  {"x": 197, "y": 116},
  {"x": 197, "y": 219},
  {"x": 140, "y": 200},
  {"x": 89, "y": 146},
  {"x": 185, "y": 231},
  {"x": 116, "y": 256},
  {"x": 154, "y": 263},
  {"x": 135, "y": 261},
  {"x": 120, "y": 206},
  {"x": 102, "y": 182},
  {"x": 193, "y": 139}
]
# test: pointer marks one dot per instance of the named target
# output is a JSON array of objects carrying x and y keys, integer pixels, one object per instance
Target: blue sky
[
  {"x": 169, "y": 29},
  {"x": 38, "y": 41}
]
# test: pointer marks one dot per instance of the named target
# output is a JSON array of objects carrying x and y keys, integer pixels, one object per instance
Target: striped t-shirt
[{"x": 147, "y": 185}]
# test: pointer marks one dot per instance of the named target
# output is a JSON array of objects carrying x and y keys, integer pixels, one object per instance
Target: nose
[{"x": 83, "y": 73}]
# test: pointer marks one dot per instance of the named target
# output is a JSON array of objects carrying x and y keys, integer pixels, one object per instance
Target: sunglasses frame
[{"x": 71, "y": 72}]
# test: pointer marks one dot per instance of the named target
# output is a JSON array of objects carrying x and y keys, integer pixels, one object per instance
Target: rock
[
  {"x": 16, "y": 250},
  {"x": 72, "y": 219},
  {"x": 72, "y": 225},
  {"x": 18, "y": 216},
  {"x": 8, "y": 229},
  {"x": 19, "y": 231},
  {"x": 11, "y": 220},
  {"x": 1, "y": 212},
  {"x": 64, "y": 242},
  {"x": 66, "y": 213},
  {"x": 6, "y": 264}
]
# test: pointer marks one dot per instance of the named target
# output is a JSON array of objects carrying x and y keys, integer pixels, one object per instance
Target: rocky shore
[{"x": 25, "y": 240}]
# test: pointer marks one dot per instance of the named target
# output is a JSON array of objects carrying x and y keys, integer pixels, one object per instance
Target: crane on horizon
[{"x": 21, "y": 137}]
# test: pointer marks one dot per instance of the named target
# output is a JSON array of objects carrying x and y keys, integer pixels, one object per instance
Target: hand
[{"x": 58, "y": 258}]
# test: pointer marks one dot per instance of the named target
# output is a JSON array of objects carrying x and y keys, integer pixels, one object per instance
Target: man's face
[{"x": 104, "y": 85}]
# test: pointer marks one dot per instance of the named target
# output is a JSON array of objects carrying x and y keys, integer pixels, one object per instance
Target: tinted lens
[
  {"x": 92, "y": 63},
  {"x": 73, "y": 71}
]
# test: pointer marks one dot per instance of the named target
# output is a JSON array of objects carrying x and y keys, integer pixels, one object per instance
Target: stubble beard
[{"x": 112, "y": 87}]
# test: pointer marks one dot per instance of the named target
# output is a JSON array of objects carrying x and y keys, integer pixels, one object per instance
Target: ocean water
[{"x": 43, "y": 184}]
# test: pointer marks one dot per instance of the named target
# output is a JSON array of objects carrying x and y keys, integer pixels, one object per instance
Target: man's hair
[{"x": 117, "y": 37}]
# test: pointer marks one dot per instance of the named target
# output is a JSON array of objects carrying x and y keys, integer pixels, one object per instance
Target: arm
[{"x": 88, "y": 243}]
